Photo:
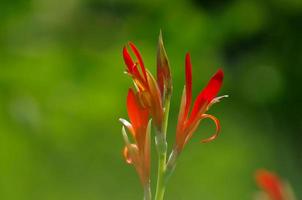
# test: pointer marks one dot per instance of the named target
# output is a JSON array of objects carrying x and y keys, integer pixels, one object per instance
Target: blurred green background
[{"x": 62, "y": 90}]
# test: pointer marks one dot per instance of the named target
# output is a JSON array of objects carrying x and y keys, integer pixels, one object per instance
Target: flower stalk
[
  {"x": 162, "y": 147},
  {"x": 161, "y": 171},
  {"x": 165, "y": 84},
  {"x": 147, "y": 192}
]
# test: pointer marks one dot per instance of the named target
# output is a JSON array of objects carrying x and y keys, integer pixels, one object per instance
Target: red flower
[
  {"x": 148, "y": 91},
  {"x": 187, "y": 124},
  {"x": 138, "y": 152},
  {"x": 271, "y": 184}
]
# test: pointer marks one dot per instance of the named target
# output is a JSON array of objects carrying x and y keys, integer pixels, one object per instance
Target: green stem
[
  {"x": 161, "y": 186},
  {"x": 161, "y": 145},
  {"x": 147, "y": 192},
  {"x": 171, "y": 164}
]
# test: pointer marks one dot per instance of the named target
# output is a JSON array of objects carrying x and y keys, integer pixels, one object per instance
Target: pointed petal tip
[
  {"x": 219, "y": 75},
  {"x": 270, "y": 183},
  {"x": 127, "y": 156},
  {"x": 127, "y": 59},
  {"x": 160, "y": 36},
  {"x": 139, "y": 58},
  {"x": 160, "y": 46},
  {"x": 125, "y": 52},
  {"x": 263, "y": 174},
  {"x": 132, "y": 45},
  {"x": 124, "y": 122},
  {"x": 188, "y": 84},
  {"x": 188, "y": 66},
  {"x": 263, "y": 177},
  {"x": 188, "y": 56}
]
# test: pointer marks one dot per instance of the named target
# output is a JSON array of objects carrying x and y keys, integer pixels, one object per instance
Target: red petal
[
  {"x": 270, "y": 182},
  {"x": 213, "y": 86},
  {"x": 195, "y": 126},
  {"x": 137, "y": 114},
  {"x": 140, "y": 60},
  {"x": 188, "y": 84},
  {"x": 128, "y": 60},
  {"x": 217, "y": 124},
  {"x": 207, "y": 94}
]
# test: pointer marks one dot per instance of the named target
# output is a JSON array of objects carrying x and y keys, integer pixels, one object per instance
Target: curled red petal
[
  {"x": 130, "y": 153},
  {"x": 217, "y": 124},
  {"x": 140, "y": 60},
  {"x": 207, "y": 94},
  {"x": 270, "y": 183},
  {"x": 128, "y": 60},
  {"x": 188, "y": 84},
  {"x": 127, "y": 156}
]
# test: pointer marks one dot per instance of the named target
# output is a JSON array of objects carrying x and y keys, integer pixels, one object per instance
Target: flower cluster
[{"x": 151, "y": 100}]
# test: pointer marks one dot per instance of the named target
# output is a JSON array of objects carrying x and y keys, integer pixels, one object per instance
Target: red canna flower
[
  {"x": 148, "y": 90},
  {"x": 187, "y": 124},
  {"x": 152, "y": 100},
  {"x": 273, "y": 187},
  {"x": 138, "y": 152},
  {"x": 270, "y": 183}
]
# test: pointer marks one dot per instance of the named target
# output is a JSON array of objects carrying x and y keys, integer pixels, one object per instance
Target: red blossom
[
  {"x": 138, "y": 152},
  {"x": 270, "y": 183},
  {"x": 187, "y": 124},
  {"x": 148, "y": 90}
]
